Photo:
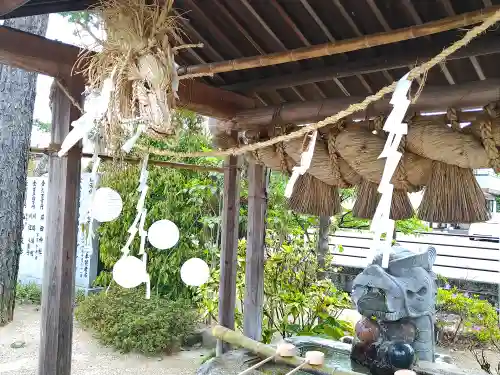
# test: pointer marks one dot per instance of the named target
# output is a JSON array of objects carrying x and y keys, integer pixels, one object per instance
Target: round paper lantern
[
  {"x": 401, "y": 355},
  {"x": 195, "y": 272},
  {"x": 106, "y": 205},
  {"x": 129, "y": 272},
  {"x": 163, "y": 234},
  {"x": 367, "y": 330}
]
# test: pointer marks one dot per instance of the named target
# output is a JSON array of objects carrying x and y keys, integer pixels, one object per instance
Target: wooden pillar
[
  {"x": 61, "y": 239},
  {"x": 229, "y": 251},
  {"x": 254, "y": 271}
]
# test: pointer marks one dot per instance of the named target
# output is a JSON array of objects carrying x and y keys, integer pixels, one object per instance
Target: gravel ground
[{"x": 89, "y": 358}]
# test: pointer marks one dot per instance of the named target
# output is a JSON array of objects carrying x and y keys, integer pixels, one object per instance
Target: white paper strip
[
  {"x": 127, "y": 147},
  {"x": 83, "y": 125},
  {"x": 381, "y": 223}
]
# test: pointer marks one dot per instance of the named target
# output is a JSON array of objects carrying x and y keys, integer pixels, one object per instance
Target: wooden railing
[{"x": 458, "y": 257}]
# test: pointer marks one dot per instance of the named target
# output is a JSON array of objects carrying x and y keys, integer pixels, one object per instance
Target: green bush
[
  {"x": 477, "y": 318},
  {"x": 296, "y": 301},
  {"x": 190, "y": 199},
  {"x": 127, "y": 321},
  {"x": 29, "y": 293}
]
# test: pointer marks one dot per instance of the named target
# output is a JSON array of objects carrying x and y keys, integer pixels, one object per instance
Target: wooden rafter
[
  {"x": 273, "y": 37},
  {"x": 418, "y": 21},
  {"x": 208, "y": 49},
  {"x": 213, "y": 28},
  {"x": 357, "y": 32},
  {"x": 330, "y": 37},
  {"x": 378, "y": 64},
  {"x": 448, "y": 7},
  {"x": 433, "y": 98},
  {"x": 343, "y": 46},
  {"x": 247, "y": 36},
  {"x": 226, "y": 12},
  {"x": 385, "y": 25},
  {"x": 304, "y": 41}
]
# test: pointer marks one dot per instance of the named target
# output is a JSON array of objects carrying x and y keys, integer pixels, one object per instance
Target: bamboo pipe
[
  {"x": 342, "y": 46},
  {"x": 283, "y": 350},
  {"x": 168, "y": 164},
  {"x": 263, "y": 350}
]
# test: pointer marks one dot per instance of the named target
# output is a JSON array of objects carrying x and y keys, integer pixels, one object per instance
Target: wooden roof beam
[
  {"x": 33, "y": 8},
  {"x": 433, "y": 98},
  {"x": 45, "y": 56},
  {"x": 483, "y": 46},
  {"x": 36, "y": 53},
  {"x": 7, "y": 6}
]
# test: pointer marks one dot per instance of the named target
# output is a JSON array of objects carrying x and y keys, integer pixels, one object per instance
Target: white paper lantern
[
  {"x": 107, "y": 205},
  {"x": 129, "y": 272},
  {"x": 163, "y": 234},
  {"x": 195, "y": 272}
]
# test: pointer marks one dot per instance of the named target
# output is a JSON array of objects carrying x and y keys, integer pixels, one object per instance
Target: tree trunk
[
  {"x": 17, "y": 101},
  {"x": 323, "y": 232}
]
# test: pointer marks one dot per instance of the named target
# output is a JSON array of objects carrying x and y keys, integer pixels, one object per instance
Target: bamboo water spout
[{"x": 266, "y": 351}]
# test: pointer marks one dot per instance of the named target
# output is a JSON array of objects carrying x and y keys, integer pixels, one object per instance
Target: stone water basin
[
  {"x": 336, "y": 356},
  {"x": 232, "y": 363}
]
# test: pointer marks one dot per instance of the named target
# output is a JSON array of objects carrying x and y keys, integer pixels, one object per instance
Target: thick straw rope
[
  {"x": 332, "y": 153},
  {"x": 488, "y": 139},
  {"x": 353, "y": 108},
  {"x": 452, "y": 117}
]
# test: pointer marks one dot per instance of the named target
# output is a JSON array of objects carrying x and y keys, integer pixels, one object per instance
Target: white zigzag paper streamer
[{"x": 381, "y": 223}]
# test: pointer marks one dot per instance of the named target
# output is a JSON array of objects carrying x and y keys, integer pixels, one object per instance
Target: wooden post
[
  {"x": 229, "y": 251},
  {"x": 323, "y": 246},
  {"x": 254, "y": 271},
  {"x": 61, "y": 240}
]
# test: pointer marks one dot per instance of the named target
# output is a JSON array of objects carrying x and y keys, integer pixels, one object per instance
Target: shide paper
[{"x": 381, "y": 223}]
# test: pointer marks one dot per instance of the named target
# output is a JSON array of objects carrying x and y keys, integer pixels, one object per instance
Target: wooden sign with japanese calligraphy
[{"x": 31, "y": 261}]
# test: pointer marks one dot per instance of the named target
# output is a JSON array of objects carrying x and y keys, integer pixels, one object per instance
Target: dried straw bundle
[
  {"x": 434, "y": 140},
  {"x": 138, "y": 55},
  {"x": 368, "y": 198},
  {"x": 270, "y": 158},
  {"x": 361, "y": 149},
  {"x": 452, "y": 196},
  {"x": 320, "y": 164},
  {"x": 312, "y": 196}
]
